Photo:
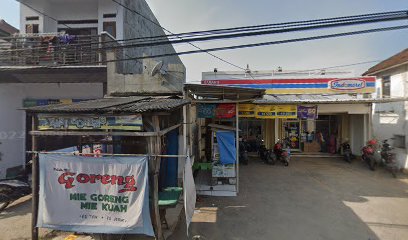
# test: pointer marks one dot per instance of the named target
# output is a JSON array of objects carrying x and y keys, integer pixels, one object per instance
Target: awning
[
  {"x": 213, "y": 92},
  {"x": 322, "y": 99}
]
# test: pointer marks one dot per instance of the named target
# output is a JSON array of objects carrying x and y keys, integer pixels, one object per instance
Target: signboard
[
  {"x": 206, "y": 110},
  {"x": 222, "y": 110},
  {"x": 307, "y": 112},
  {"x": 246, "y": 110},
  {"x": 225, "y": 110},
  {"x": 276, "y": 111},
  {"x": 347, "y": 84},
  {"x": 297, "y": 85},
  {"x": 86, "y": 122},
  {"x": 104, "y": 195}
]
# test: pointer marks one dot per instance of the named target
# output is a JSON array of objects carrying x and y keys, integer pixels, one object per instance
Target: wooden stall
[{"x": 128, "y": 126}]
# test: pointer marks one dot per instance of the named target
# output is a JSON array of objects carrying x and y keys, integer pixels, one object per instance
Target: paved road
[{"x": 312, "y": 199}]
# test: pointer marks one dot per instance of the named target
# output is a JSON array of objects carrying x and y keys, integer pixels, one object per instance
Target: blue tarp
[
  {"x": 169, "y": 166},
  {"x": 227, "y": 148}
]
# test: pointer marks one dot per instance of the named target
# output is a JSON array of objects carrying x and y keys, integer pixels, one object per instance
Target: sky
[{"x": 193, "y": 15}]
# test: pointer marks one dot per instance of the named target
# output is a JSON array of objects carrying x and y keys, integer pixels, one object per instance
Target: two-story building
[
  {"x": 390, "y": 119},
  {"x": 60, "y": 57}
]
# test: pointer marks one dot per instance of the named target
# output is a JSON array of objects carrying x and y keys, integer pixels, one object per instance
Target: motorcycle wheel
[
  {"x": 3, "y": 205},
  {"x": 372, "y": 164},
  {"x": 245, "y": 158},
  {"x": 286, "y": 163},
  {"x": 347, "y": 157}
]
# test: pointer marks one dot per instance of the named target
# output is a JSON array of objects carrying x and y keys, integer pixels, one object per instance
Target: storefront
[
  {"x": 310, "y": 126},
  {"x": 315, "y": 114},
  {"x": 215, "y": 122}
]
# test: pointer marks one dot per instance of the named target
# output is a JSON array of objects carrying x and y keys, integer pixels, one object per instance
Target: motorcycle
[
  {"x": 282, "y": 151},
  {"x": 13, "y": 189},
  {"x": 369, "y": 154},
  {"x": 266, "y": 155},
  {"x": 243, "y": 152},
  {"x": 389, "y": 158},
  {"x": 347, "y": 154}
]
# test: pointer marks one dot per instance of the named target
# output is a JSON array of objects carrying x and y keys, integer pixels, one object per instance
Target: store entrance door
[{"x": 291, "y": 131}]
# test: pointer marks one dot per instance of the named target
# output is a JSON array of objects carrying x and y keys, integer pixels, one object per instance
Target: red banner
[{"x": 225, "y": 110}]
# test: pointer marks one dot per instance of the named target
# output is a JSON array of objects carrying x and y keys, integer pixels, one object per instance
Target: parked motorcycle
[
  {"x": 347, "y": 154},
  {"x": 266, "y": 155},
  {"x": 282, "y": 151},
  {"x": 369, "y": 154},
  {"x": 243, "y": 152},
  {"x": 13, "y": 189},
  {"x": 389, "y": 158}
]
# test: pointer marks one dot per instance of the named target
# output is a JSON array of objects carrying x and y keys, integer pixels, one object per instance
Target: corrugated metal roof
[
  {"x": 223, "y": 92},
  {"x": 134, "y": 104},
  {"x": 310, "y": 98}
]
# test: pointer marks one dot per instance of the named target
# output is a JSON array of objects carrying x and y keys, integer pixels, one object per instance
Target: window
[
  {"x": 386, "y": 87},
  {"x": 86, "y": 21},
  {"x": 32, "y": 18},
  {"x": 32, "y": 28},
  {"x": 109, "y": 15},
  {"x": 399, "y": 141},
  {"x": 110, "y": 27}
]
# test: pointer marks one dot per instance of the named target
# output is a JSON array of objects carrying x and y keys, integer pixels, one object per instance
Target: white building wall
[
  {"x": 390, "y": 119},
  {"x": 71, "y": 10},
  {"x": 12, "y": 118}
]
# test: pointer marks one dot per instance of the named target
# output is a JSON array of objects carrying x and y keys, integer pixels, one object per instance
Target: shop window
[
  {"x": 386, "y": 87},
  {"x": 110, "y": 27},
  {"x": 399, "y": 141}
]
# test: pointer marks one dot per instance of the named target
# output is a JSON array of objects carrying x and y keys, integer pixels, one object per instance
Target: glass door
[{"x": 291, "y": 131}]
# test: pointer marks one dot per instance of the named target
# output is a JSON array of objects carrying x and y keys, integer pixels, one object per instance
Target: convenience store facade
[{"x": 316, "y": 112}]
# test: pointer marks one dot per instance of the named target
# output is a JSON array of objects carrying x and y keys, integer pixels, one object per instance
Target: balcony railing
[{"x": 51, "y": 50}]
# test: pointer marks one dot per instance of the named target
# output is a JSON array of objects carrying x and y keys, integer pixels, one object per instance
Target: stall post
[
  {"x": 156, "y": 171},
  {"x": 35, "y": 183},
  {"x": 237, "y": 141}
]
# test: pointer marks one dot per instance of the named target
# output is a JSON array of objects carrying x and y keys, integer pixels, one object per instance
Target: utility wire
[
  {"x": 284, "y": 27},
  {"x": 260, "y": 33},
  {"x": 148, "y": 19},
  {"x": 274, "y": 42},
  {"x": 72, "y": 47}
]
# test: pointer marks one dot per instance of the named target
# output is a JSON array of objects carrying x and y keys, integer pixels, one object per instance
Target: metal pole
[
  {"x": 237, "y": 142},
  {"x": 35, "y": 186}
]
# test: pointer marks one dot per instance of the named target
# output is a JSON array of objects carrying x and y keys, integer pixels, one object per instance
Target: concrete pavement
[{"x": 311, "y": 199}]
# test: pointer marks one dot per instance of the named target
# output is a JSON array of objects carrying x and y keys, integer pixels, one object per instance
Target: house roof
[
  {"x": 394, "y": 61},
  {"x": 134, "y": 104},
  {"x": 7, "y": 28},
  {"x": 322, "y": 99}
]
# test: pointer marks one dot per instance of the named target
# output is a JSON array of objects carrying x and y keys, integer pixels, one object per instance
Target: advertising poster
[
  {"x": 225, "y": 110},
  {"x": 276, "y": 111},
  {"x": 104, "y": 195},
  {"x": 265, "y": 111},
  {"x": 206, "y": 110},
  {"x": 86, "y": 122},
  {"x": 246, "y": 110},
  {"x": 307, "y": 112}
]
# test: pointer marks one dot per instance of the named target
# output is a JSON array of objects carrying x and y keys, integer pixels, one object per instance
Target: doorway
[{"x": 291, "y": 131}]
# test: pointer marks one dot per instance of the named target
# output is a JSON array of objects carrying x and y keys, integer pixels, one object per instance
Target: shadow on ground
[{"x": 323, "y": 198}]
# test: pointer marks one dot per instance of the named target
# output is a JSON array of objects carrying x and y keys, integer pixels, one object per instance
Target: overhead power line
[
  {"x": 275, "y": 42},
  {"x": 281, "y": 27},
  {"x": 148, "y": 19},
  {"x": 268, "y": 32}
]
